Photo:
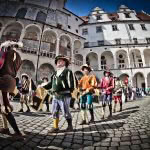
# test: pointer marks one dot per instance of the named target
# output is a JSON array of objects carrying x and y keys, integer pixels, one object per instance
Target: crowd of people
[{"x": 61, "y": 90}]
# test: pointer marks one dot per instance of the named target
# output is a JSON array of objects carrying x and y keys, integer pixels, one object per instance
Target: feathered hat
[{"x": 11, "y": 43}]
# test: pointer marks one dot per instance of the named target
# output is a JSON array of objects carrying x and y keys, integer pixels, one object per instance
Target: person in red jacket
[{"x": 107, "y": 86}]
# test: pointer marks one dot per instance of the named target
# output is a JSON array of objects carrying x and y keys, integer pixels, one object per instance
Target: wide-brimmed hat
[
  {"x": 25, "y": 75},
  {"x": 66, "y": 59},
  {"x": 86, "y": 66}
]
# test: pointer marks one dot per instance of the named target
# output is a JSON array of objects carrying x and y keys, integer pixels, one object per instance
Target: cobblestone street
[{"x": 126, "y": 130}]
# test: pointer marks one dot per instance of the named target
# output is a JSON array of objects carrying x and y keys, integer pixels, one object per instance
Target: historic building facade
[{"x": 119, "y": 41}]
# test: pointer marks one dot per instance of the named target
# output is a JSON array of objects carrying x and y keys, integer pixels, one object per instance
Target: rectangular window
[
  {"x": 148, "y": 40},
  {"x": 69, "y": 27},
  {"x": 76, "y": 19},
  {"x": 143, "y": 27},
  {"x": 100, "y": 43},
  {"x": 135, "y": 40},
  {"x": 118, "y": 41},
  {"x": 84, "y": 31},
  {"x": 76, "y": 31},
  {"x": 86, "y": 44},
  {"x": 114, "y": 28},
  {"x": 98, "y": 17},
  {"x": 98, "y": 29},
  {"x": 127, "y": 15},
  {"x": 131, "y": 27}
]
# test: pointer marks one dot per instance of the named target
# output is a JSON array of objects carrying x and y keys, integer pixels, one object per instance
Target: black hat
[
  {"x": 86, "y": 66},
  {"x": 66, "y": 59},
  {"x": 107, "y": 71},
  {"x": 45, "y": 78}
]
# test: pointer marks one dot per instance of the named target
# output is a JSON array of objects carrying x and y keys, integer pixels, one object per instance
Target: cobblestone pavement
[{"x": 126, "y": 130}]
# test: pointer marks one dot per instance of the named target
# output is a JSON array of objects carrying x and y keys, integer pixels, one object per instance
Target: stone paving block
[
  {"x": 145, "y": 145},
  {"x": 124, "y": 148},
  {"x": 101, "y": 148},
  {"x": 135, "y": 147},
  {"x": 114, "y": 144},
  {"x": 136, "y": 142},
  {"x": 125, "y": 143}
]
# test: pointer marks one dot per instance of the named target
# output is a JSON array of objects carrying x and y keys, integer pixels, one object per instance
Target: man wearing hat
[
  {"x": 8, "y": 71},
  {"x": 86, "y": 86},
  {"x": 62, "y": 84},
  {"x": 107, "y": 85},
  {"x": 25, "y": 85}
]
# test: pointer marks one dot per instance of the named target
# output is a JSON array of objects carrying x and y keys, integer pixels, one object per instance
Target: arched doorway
[
  {"x": 139, "y": 80},
  {"x": 107, "y": 60},
  {"x": 92, "y": 60},
  {"x": 28, "y": 68},
  {"x": 45, "y": 70}
]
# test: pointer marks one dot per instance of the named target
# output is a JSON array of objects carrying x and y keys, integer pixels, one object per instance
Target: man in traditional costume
[
  {"x": 117, "y": 93},
  {"x": 25, "y": 85},
  {"x": 61, "y": 85},
  {"x": 107, "y": 86},
  {"x": 8, "y": 72},
  {"x": 86, "y": 85}
]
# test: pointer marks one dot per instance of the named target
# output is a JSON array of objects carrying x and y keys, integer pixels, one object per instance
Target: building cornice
[{"x": 115, "y": 22}]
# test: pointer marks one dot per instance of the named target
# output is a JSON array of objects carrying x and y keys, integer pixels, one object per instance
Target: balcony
[{"x": 114, "y": 43}]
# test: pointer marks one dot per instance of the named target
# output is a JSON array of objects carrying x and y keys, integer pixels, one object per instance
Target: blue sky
[{"x": 83, "y": 7}]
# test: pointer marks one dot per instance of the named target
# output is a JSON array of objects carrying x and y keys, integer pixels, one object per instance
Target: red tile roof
[{"x": 143, "y": 16}]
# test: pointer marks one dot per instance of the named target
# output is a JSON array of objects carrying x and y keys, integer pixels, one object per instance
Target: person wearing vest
[
  {"x": 117, "y": 93},
  {"x": 8, "y": 73},
  {"x": 107, "y": 86},
  {"x": 61, "y": 85},
  {"x": 25, "y": 84},
  {"x": 86, "y": 86}
]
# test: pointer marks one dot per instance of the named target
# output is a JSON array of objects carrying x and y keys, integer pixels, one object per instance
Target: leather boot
[
  {"x": 110, "y": 110},
  {"x": 70, "y": 127},
  {"x": 120, "y": 106},
  {"x": 92, "y": 115}
]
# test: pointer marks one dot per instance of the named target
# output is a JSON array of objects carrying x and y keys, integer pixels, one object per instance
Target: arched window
[
  {"x": 31, "y": 36},
  {"x": 21, "y": 13},
  {"x": 103, "y": 62},
  {"x": 121, "y": 61},
  {"x": 41, "y": 17}
]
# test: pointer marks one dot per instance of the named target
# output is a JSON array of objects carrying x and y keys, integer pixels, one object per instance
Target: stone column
[
  {"x": 129, "y": 61},
  {"x": 115, "y": 61},
  {"x": 57, "y": 46},
  {"x": 99, "y": 61},
  {"x": 1, "y": 32},
  {"x": 143, "y": 59},
  {"x": 146, "y": 82},
  {"x": 22, "y": 35}
]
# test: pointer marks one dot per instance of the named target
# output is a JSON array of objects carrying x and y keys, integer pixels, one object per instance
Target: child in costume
[{"x": 86, "y": 86}]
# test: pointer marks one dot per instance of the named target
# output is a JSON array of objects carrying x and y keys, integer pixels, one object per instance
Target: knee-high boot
[
  {"x": 110, "y": 110},
  {"x": 70, "y": 127},
  {"x": 92, "y": 115},
  {"x": 120, "y": 106}
]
